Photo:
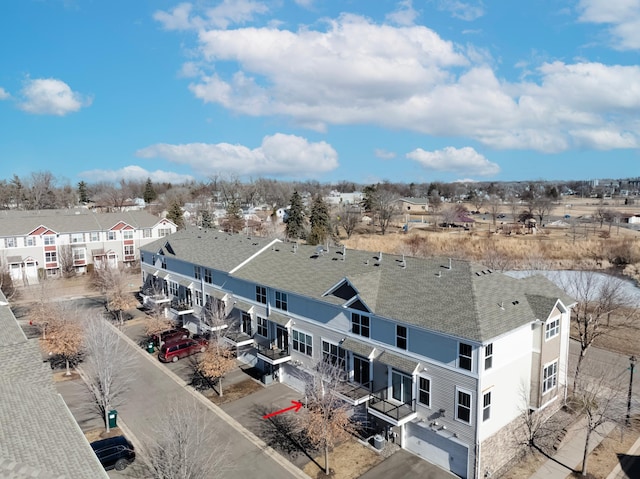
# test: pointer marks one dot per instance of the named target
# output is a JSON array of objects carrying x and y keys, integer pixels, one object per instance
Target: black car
[{"x": 114, "y": 452}]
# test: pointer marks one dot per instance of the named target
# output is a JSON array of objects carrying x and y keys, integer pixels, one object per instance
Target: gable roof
[{"x": 465, "y": 300}]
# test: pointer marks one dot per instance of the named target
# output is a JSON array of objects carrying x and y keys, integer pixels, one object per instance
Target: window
[
  {"x": 424, "y": 391},
  {"x": 334, "y": 354},
  {"x": 163, "y": 263},
  {"x": 77, "y": 237},
  {"x": 302, "y": 343},
  {"x": 30, "y": 241},
  {"x": 94, "y": 236},
  {"x": 262, "y": 326},
  {"x": 127, "y": 234},
  {"x": 146, "y": 233},
  {"x": 488, "y": 356},
  {"x": 360, "y": 325},
  {"x": 401, "y": 387},
  {"x": 552, "y": 329},
  {"x": 49, "y": 239},
  {"x": 51, "y": 257},
  {"x": 198, "y": 298},
  {"x": 549, "y": 377},
  {"x": 463, "y": 406},
  {"x": 486, "y": 406},
  {"x": 401, "y": 337},
  {"x": 464, "y": 356},
  {"x": 10, "y": 242},
  {"x": 111, "y": 235},
  {"x": 246, "y": 323},
  {"x": 197, "y": 274},
  {"x": 128, "y": 250},
  {"x": 361, "y": 371},
  {"x": 162, "y": 232},
  {"x": 78, "y": 255},
  {"x": 281, "y": 301},
  {"x": 261, "y": 294},
  {"x": 208, "y": 276},
  {"x": 173, "y": 288}
]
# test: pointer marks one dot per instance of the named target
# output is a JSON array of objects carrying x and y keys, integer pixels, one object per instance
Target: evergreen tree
[
  {"x": 175, "y": 215},
  {"x": 206, "y": 219},
  {"x": 149, "y": 193},
  {"x": 234, "y": 221},
  {"x": 83, "y": 194},
  {"x": 320, "y": 222},
  {"x": 369, "y": 201},
  {"x": 295, "y": 219}
]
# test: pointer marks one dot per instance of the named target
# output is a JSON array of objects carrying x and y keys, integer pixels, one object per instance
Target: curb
[{"x": 251, "y": 437}]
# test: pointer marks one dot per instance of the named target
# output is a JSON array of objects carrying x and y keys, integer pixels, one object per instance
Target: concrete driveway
[{"x": 406, "y": 465}]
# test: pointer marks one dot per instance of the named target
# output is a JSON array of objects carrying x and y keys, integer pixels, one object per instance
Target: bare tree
[
  {"x": 65, "y": 260},
  {"x": 7, "y": 285},
  {"x": 67, "y": 337},
  {"x": 348, "y": 217},
  {"x": 386, "y": 208},
  {"x": 495, "y": 203},
  {"x": 40, "y": 312},
  {"x": 184, "y": 445},
  {"x": 108, "y": 367},
  {"x": 599, "y": 398},
  {"x": 155, "y": 322},
  {"x": 602, "y": 306},
  {"x": 218, "y": 359},
  {"x": 113, "y": 282},
  {"x": 327, "y": 420}
]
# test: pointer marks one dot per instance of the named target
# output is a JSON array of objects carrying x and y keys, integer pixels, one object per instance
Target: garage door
[{"x": 436, "y": 449}]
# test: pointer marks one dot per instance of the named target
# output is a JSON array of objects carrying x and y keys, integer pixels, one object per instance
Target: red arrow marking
[{"x": 296, "y": 406}]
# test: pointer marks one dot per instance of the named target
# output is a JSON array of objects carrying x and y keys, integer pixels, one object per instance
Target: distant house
[
  {"x": 413, "y": 205},
  {"x": 337, "y": 198}
]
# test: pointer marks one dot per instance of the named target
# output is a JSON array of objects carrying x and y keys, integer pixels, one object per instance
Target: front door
[
  {"x": 402, "y": 387},
  {"x": 282, "y": 337},
  {"x": 361, "y": 370},
  {"x": 246, "y": 323}
]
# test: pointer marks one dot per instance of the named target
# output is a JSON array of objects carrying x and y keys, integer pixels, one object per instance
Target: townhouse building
[
  {"x": 442, "y": 356},
  {"x": 45, "y": 242}
]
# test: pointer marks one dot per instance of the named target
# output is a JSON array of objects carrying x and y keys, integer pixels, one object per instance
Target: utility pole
[{"x": 632, "y": 365}]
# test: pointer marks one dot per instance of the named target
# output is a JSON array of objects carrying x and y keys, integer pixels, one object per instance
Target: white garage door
[{"x": 437, "y": 449}]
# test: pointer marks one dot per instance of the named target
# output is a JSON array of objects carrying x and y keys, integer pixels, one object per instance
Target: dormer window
[{"x": 552, "y": 329}]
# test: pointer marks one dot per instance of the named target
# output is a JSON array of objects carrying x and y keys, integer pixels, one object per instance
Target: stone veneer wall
[{"x": 509, "y": 443}]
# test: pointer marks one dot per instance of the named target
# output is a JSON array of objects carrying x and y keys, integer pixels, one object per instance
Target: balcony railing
[
  {"x": 273, "y": 354},
  {"x": 181, "y": 307},
  {"x": 397, "y": 411},
  {"x": 354, "y": 393},
  {"x": 238, "y": 338}
]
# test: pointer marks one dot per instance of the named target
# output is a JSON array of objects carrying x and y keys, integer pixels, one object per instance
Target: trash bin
[
  {"x": 150, "y": 347},
  {"x": 378, "y": 441},
  {"x": 113, "y": 418}
]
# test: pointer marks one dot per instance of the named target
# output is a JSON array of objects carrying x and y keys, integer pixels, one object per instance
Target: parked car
[
  {"x": 181, "y": 348},
  {"x": 114, "y": 452},
  {"x": 170, "y": 335}
]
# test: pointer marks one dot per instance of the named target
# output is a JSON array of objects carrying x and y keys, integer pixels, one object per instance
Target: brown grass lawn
[
  {"x": 233, "y": 392},
  {"x": 97, "y": 434},
  {"x": 348, "y": 461}
]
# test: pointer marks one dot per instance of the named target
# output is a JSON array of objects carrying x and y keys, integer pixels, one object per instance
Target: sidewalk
[
  {"x": 625, "y": 468},
  {"x": 570, "y": 453}
]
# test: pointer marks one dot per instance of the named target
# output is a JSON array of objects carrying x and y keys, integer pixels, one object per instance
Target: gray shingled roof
[
  {"x": 21, "y": 223},
  {"x": 38, "y": 436},
  {"x": 401, "y": 363},
  {"x": 467, "y": 301}
]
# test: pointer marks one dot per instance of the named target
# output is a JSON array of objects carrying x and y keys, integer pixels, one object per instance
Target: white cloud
[
  {"x": 135, "y": 173},
  {"x": 462, "y": 10},
  {"x": 49, "y": 96},
  {"x": 384, "y": 154},
  {"x": 228, "y": 12},
  {"x": 623, "y": 16},
  {"x": 458, "y": 160},
  {"x": 305, "y": 3},
  {"x": 279, "y": 155},
  {"x": 404, "y": 15},
  {"x": 355, "y": 71},
  {"x": 4, "y": 94}
]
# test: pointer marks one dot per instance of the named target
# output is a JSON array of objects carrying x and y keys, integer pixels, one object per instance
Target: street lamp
[{"x": 632, "y": 365}]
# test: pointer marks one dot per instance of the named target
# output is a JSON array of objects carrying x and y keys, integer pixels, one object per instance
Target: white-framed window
[
  {"x": 173, "y": 288},
  {"x": 463, "y": 406},
  {"x": 111, "y": 235},
  {"x": 162, "y": 232},
  {"x": 360, "y": 325},
  {"x": 199, "y": 298},
  {"x": 549, "y": 377},
  {"x": 281, "y": 300},
  {"x": 76, "y": 237},
  {"x": 30, "y": 241},
  {"x": 10, "y": 242},
  {"x": 401, "y": 387},
  {"x": 401, "y": 336},
  {"x": 208, "y": 276},
  {"x": 552, "y": 329},
  {"x": 302, "y": 342},
  {"x": 464, "y": 356},
  {"x": 424, "y": 391},
  {"x": 147, "y": 233},
  {"x": 51, "y": 257},
  {"x": 94, "y": 236},
  {"x": 127, "y": 234},
  {"x": 488, "y": 356},
  {"x": 262, "y": 326},
  {"x": 261, "y": 294},
  {"x": 486, "y": 405},
  {"x": 49, "y": 240},
  {"x": 128, "y": 250},
  {"x": 79, "y": 254},
  {"x": 197, "y": 272},
  {"x": 334, "y": 354}
]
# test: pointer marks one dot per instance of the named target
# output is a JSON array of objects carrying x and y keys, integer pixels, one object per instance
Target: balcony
[
  {"x": 180, "y": 308},
  {"x": 238, "y": 338},
  {"x": 272, "y": 354},
  {"x": 354, "y": 393},
  {"x": 153, "y": 298},
  {"x": 392, "y": 411}
]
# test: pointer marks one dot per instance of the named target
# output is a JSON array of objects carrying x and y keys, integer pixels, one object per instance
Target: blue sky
[{"x": 359, "y": 90}]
